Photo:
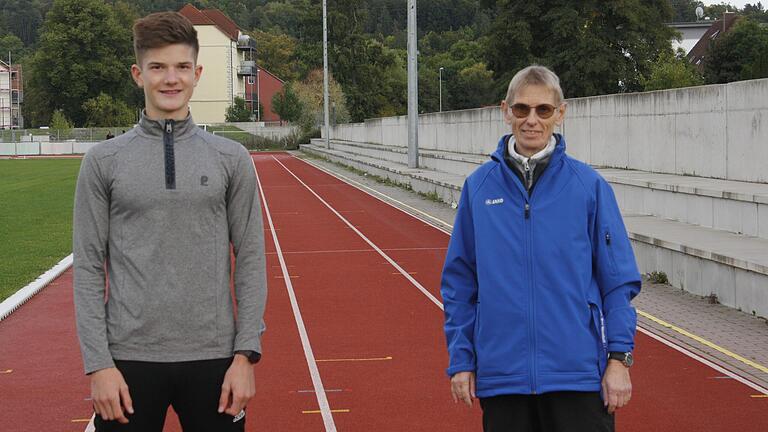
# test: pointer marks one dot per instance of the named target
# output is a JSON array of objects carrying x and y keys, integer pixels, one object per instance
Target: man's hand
[
  {"x": 111, "y": 399},
  {"x": 239, "y": 386},
  {"x": 617, "y": 386},
  {"x": 463, "y": 387}
]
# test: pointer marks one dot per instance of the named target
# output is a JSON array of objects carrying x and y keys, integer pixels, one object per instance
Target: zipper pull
[
  {"x": 169, "y": 126},
  {"x": 608, "y": 239},
  {"x": 527, "y": 168},
  {"x": 527, "y": 211}
]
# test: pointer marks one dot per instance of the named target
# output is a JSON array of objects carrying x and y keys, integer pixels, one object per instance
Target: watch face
[{"x": 629, "y": 360}]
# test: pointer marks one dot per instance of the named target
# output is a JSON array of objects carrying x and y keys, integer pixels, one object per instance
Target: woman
[{"x": 538, "y": 279}]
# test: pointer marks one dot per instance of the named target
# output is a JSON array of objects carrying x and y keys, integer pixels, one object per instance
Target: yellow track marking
[
  {"x": 703, "y": 341},
  {"x": 355, "y": 359},
  {"x": 81, "y": 420},
  {"x": 761, "y": 396},
  {"x": 333, "y": 411},
  {"x": 7, "y": 371}
]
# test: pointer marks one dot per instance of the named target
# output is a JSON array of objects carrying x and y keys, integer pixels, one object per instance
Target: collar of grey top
[
  {"x": 156, "y": 128},
  {"x": 542, "y": 156}
]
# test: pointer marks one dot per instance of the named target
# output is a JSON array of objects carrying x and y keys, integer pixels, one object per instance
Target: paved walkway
[{"x": 734, "y": 340}]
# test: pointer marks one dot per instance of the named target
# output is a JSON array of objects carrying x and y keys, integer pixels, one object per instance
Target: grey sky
[{"x": 736, "y": 3}]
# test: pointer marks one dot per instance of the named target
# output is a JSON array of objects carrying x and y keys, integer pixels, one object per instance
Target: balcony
[
  {"x": 247, "y": 67},
  {"x": 246, "y": 42}
]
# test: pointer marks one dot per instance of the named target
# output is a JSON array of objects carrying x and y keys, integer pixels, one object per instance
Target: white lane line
[
  {"x": 389, "y": 200},
  {"x": 703, "y": 360},
  {"x": 329, "y": 251},
  {"x": 317, "y": 383},
  {"x": 21, "y": 296},
  {"x": 370, "y": 243}
]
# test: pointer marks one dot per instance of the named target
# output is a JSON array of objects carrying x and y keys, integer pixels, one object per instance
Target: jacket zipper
[
  {"x": 532, "y": 302},
  {"x": 170, "y": 162},
  {"x": 527, "y": 168}
]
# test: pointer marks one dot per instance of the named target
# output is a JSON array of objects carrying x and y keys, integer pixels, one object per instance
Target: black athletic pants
[
  {"x": 548, "y": 412},
  {"x": 192, "y": 388}
]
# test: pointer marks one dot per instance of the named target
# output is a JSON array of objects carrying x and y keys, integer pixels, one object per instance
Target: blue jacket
[{"x": 537, "y": 288}]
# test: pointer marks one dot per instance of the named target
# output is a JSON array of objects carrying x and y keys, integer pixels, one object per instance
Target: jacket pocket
[
  {"x": 598, "y": 324},
  {"x": 610, "y": 250}
]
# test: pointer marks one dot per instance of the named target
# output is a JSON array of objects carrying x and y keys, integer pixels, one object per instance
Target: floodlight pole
[
  {"x": 413, "y": 89},
  {"x": 326, "y": 114},
  {"x": 441, "y": 88}
]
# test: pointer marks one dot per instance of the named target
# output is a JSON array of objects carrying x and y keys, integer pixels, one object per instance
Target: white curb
[{"x": 21, "y": 296}]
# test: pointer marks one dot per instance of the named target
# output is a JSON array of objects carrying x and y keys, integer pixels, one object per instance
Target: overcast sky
[{"x": 736, "y": 3}]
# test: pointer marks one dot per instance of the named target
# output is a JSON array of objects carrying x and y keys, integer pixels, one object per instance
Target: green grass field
[{"x": 36, "y": 197}]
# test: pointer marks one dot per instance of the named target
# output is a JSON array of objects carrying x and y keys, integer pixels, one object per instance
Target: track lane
[
  {"x": 360, "y": 310},
  {"x": 687, "y": 394}
]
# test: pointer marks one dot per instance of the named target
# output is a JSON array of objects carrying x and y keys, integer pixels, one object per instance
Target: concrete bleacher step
[
  {"x": 707, "y": 254},
  {"x": 735, "y": 206},
  {"x": 445, "y": 186}
]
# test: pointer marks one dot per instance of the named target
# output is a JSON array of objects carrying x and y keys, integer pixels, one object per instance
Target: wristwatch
[
  {"x": 624, "y": 357},
  {"x": 252, "y": 356}
]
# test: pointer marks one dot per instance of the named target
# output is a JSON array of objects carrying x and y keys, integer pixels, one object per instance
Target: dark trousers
[
  {"x": 191, "y": 388},
  {"x": 548, "y": 412}
]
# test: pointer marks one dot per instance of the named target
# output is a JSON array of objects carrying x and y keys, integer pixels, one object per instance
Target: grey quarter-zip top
[{"x": 156, "y": 211}]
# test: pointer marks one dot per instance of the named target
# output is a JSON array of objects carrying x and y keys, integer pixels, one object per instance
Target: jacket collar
[
  {"x": 156, "y": 128},
  {"x": 557, "y": 154}
]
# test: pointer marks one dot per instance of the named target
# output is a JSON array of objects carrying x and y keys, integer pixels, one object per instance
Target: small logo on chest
[
  {"x": 495, "y": 201},
  {"x": 204, "y": 181}
]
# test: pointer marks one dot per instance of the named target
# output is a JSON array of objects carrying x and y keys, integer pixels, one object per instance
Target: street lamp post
[{"x": 441, "y": 89}]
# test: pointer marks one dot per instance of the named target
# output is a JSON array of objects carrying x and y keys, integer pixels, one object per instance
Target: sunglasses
[{"x": 543, "y": 111}]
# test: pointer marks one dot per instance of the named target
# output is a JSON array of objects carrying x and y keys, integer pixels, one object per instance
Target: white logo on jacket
[{"x": 494, "y": 201}]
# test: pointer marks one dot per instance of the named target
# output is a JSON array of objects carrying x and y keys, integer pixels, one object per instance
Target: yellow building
[{"x": 229, "y": 67}]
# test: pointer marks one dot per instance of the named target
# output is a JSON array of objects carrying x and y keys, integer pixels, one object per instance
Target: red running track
[{"x": 383, "y": 336}]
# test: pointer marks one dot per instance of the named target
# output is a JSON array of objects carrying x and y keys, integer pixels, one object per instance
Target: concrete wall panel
[
  {"x": 28, "y": 149},
  {"x": 747, "y": 138}
]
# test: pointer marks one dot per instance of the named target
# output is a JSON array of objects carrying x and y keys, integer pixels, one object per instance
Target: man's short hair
[
  {"x": 535, "y": 75},
  {"x": 161, "y": 29}
]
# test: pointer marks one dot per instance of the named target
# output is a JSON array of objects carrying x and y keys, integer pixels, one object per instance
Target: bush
[{"x": 238, "y": 111}]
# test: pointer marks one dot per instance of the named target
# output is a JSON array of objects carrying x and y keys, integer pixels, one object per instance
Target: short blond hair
[{"x": 535, "y": 75}]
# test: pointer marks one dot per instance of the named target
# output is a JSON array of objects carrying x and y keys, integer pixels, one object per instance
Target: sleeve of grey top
[
  {"x": 246, "y": 233},
  {"x": 89, "y": 248}
]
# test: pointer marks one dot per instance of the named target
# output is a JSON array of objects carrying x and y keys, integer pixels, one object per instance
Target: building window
[{"x": 250, "y": 79}]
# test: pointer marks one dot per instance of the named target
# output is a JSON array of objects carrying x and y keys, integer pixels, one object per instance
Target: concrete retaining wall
[
  {"x": 44, "y": 148},
  {"x": 259, "y": 129},
  {"x": 717, "y": 131}
]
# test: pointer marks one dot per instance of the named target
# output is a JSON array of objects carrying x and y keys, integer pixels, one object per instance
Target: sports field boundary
[{"x": 21, "y": 296}]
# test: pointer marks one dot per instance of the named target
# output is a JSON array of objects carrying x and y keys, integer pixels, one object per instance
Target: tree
[
  {"x": 14, "y": 45},
  {"x": 669, "y": 71},
  {"x": 238, "y": 111},
  {"x": 104, "y": 111},
  {"x": 21, "y": 18},
  {"x": 373, "y": 76},
  {"x": 59, "y": 121},
  {"x": 755, "y": 12},
  {"x": 684, "y": 10},
  {"x": 287, "y": 104},
  {"x": 276, "y": 53},
  {"x": 82, "y": 51},
  {"x": 739, "y": 54},
  {"x": 595, "y": 47},
  {"x": 310, "y": 93}
]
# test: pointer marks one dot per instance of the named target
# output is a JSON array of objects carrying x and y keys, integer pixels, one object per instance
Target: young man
[
  {"x": 156, "y": 210},
  {"x": 538, "y": 279}
]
